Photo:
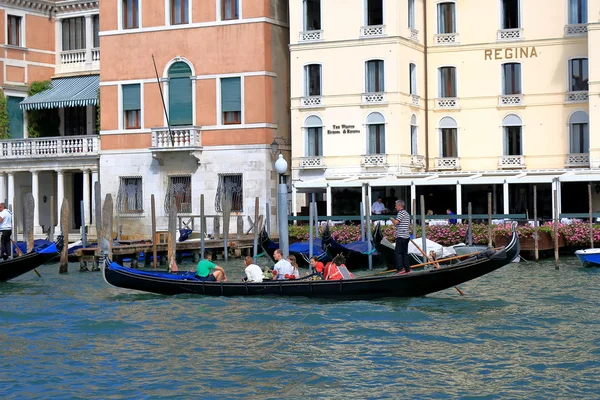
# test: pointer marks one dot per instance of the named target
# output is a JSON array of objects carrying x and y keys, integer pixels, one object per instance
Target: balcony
[
  {"x": 417, "y": 161},
  {"x": 311, "y": 101},
  {"x": 446, "y": 103},
  {"x": 50, "y": 148},
  {"x": 312, "y": 162},
  {"x": 577, "y": 97},
  {"x": 447, "y": 163},
  {"x": 82, "y": 60},
  {"x": 510, "y": 100},
  {"x": 576, "y": 30},
  {"x": 510, "y": 34},
  {"x": 511, "y": 162},
  {"x": 372, "y": 31},
  {"x": 180, "y": 139},
  {"x": 415, "y": 100},
  {"x": 413, "y": 34},
  {"x": 373, "y": 98},
  {"x": 578, "y": 160},
  {"x": 374, "y": 160},
  {"x": 311, "y": 36},
  {"x": 446, "y": 38}
]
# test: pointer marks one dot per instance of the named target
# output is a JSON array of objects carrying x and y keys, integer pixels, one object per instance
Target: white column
[
  {"x": 458, "y": 200},
  {"x": 35, "y": 191},
  {"x": 329, "y": 201},
  {"x": 363, "y": 189},
  {"x": 94, "y": 180},
  {"x": 370, "y": 196},
  {"x": 294, "y": 202},
  {"x": 60, "y": 193},
  {"x": 89, "y": 38},
  {"x": 413, "y": 197},
  {"x": 3, "y": 189},
  {"x": 86, "y": 195},
  {"x": 505, "y": 196},
  {"x": 11, "y": 188}
]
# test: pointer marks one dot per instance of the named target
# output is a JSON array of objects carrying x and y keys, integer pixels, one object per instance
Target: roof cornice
[{"x": 52, "y": 7}]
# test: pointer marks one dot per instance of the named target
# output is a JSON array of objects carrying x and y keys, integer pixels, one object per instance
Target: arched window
[
  {"x": 314, "y": 136},
  {"x": 579, "y": 136},
  {"x": 448, "y": 137},
  {"x": 413, "y": 136},
  {"x": 180, "y": 94},
  {"x": 512, "y": 128},
  {"x": 376, "y": 133}
]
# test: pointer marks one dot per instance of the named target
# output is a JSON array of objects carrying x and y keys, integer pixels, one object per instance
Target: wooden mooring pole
[
  {"x": 226, "y": 220},
  {"x": 555, "y": 228},
  {"x": 535, "y": 226},
  {"x": 490, "y": 219},
  {"x": 423, "y": 226},
  {"x": 172, "y": 237},
  {"x": 107, "y": 222},
  {"x": 470, "y": 227},
  {"x": 52, "y": 223},
  {"x": 29, "y": 208},
  {"x": 202, "y": 226},
  {"x": 591, "y": 217},
  {"x": 64, "y": 227},
  {"x": 255, "y": 229},
  {"x": 368, "y": 230}
]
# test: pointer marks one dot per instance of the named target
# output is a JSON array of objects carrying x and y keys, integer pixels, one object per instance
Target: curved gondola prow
[{"x": 267, "y": 245}]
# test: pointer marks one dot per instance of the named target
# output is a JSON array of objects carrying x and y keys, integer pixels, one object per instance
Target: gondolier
[
  {"x": 5, "y": 231},
  {"x": 402, "y": 234}
]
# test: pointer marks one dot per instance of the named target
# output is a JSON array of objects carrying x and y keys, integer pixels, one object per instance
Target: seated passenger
[
  {"x": 292, "y": 260},
  {"x": 253, "y": 271},
  {"x": 282, "y": 267},
  {"x": 317, "y": 265},
  {"x": 207, "y": 271},
  {"x": 332, "y": 271}
]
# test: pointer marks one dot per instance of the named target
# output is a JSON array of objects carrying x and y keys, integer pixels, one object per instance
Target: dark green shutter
[
  {"x": 180, "y": 94},
  {"x": 131, "y": 97},
  {"x": 15, "y": 117},
  {"x": 231, "y": 94}
]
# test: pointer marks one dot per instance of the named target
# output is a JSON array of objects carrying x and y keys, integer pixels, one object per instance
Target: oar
[
  {"x": 20, "y": 253},
  {"x": 435, "y": 264}
]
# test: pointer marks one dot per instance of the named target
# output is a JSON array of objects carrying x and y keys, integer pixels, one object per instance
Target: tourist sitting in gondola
[
  {"x": 253, "y": 271},
  {"x": 317, "y": 265},
  {"x": 336, "y": 270},
  {"x": 296, "y": 274},
  {"x": 282, "y": 267},
  {"x": 208, "y": 271}
]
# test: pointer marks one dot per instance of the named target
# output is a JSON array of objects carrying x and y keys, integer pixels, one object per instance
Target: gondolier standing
[
  {"x": 5, "y": 231},
  {"x": 402, "y": 223}
]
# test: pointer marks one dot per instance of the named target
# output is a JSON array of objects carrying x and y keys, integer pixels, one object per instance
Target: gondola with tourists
[
  {"x": 417, "y": 283},
  {"x": 356, "y": 253},
  {"x": 300, "y": 250},
  {"x": 10, "y": 269}
]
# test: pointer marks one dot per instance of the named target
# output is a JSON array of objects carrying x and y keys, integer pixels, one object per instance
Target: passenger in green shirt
[{"x": 208, "y": 271}]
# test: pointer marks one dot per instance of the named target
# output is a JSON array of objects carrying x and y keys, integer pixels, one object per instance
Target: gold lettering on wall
[{"x": 509, "y": 53}]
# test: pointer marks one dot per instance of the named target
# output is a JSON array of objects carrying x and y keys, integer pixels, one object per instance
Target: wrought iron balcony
[
  {"x": 447, "y": 163},
  {"x": 52, "y": 147},
  {"x": 581, "y": 160},
  {"x": 511, "y": 162},
  {"x": 180, "y": 139},
  {"x": 312, "y": 162}
]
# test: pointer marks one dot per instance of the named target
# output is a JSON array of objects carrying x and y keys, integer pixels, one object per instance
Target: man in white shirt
[
  {"x": 378, "y": 207},
  {"x": 283, "y": 266},
  {"x": 5, "y": 231},
  {"x": 253, "y": 271}
]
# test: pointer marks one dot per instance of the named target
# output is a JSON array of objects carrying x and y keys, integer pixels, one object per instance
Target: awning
[{"x": 74, "y": 91}]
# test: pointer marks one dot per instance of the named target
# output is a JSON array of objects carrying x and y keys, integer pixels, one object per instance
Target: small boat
[
  {"x": 300, "y": 250},
  {"x": 589, "y": 257},
  {"x": 355, "y": 253},
  {"x": 416, "y": 283},
  {"x": 17, "y": 266}
]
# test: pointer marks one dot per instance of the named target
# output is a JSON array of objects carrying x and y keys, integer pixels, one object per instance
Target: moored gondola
[
  {"x": 300, "y": 250},
  {"x": 355, "y": 253},
  {"x": 416, "y": 283},
  {"x": 18, "y": 266}
]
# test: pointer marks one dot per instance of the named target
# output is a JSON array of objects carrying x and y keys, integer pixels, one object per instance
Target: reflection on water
[{"x": 523, "y": 331}]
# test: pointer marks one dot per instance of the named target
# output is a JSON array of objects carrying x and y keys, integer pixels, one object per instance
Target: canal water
[{"x": 525, "y": 331}]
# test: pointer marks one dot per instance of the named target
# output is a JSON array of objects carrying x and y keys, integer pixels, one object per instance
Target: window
[
  {"x": 180, "y": 94},
  {"x": 512, "y": 127},
  {"x": 13, "y": 34},
  {"x": 578, "y": 12},
  {"x": 375, "y": 77},
  {"x": 15, "y": 117},
  {"x": 75, "y": 121},
  {"x": 130, "y": 197},
  {"x": 510, "y": 14},
  {"x": 412, "y": 78},
  {"x": 376, "y": 133},
  {"x": 312, "y": 15},
  {"x": 96, "y": 25},
  {"x": 578, "y": 75},
  {"x": 130, "y": 14},
  {"x": 579, "y": 136},
  {"x": 132, "y": 108},
  {"x": 231, "y": 101},
  {"x": 314, "y": 136},
  {"x": 446, "y": 18},
  {"x": 180, "y": 189},
  {"x": 374, "y": 12},
  {"x": 449, "y": 137},
  {"x": 413, "y": 136},
  {"x": 448, "y": 82},
  {"x": 73, "y": 33},
  {"x": 230, "y": 187},
  {"x": 511, "y": 76},
  {"x": 411, "y": 14},
  {"x": 230, "y": 9},
  {"x": 179, "y": 12},
  {"x": 312, "y": 80}
]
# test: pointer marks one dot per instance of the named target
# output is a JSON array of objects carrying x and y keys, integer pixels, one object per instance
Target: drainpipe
[{"x": 425, "y": 37}]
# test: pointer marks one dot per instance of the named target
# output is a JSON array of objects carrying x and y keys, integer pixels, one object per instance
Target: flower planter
[{"x": 545, "y": 241}]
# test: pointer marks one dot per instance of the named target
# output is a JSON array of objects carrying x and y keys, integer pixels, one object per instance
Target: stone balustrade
[{"x": 60, "y": 146}]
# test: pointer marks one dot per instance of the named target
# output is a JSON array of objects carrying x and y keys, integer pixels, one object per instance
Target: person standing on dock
[
  {"x": 5, "y": 230},
  {"x": 402, "y": 224}
]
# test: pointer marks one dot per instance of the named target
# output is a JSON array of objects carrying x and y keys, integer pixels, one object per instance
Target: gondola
[
  {"x": 355, "y": 253},
  {"x": 10, "y": 269},
  {"x": 300, "y": 250},
  {"x": 416, "y": 283}
]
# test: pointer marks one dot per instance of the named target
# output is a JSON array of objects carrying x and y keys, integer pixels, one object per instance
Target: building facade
[{"x": 445, "y": 99}]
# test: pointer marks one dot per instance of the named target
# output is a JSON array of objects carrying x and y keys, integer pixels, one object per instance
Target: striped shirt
[{"x": 402, "y": 227}]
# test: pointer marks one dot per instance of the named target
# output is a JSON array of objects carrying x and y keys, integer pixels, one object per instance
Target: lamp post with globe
[{"x": 282, "y": 217}]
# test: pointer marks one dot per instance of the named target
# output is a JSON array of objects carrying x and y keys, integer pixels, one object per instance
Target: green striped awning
[{"x": 73, "y": 91}]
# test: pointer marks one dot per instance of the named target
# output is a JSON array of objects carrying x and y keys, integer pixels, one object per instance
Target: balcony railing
[
  {"x": 96, "y": 54},
  {"x": 577, "y": 97},
  {"x": 374, "y": 160},
  {"x": 373, "y": 98},
  {"x": 510, "y": 100},
  {"x": 581, "y": 160},
  {"x": 510, "y": 34},
  {"x": 576, "y": 29},
  {"x": 417, "y": 161},
  {"x": 446, "y": 102},
  {"x": 446, "y": 38},
  {"x": 76, "y": 61},
  {"x": 310, "y": 36},
  {"x": 447, "y": 163},
  {"x": 72, "y": 56},
  {"x": 372, "y": 31},
  {"x": 311, "y": 101},
  {"x": 415, "y": 100},
  {"x": 182, "y": 138},
  {"x": 413, "y": 34},
  {"x": 312, "y": 162},
  {"x": 510, "y": 162},
  {"x": 62, "y": 146}
]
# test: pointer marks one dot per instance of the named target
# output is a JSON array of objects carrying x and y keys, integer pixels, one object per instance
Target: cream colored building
[{"x": 489, "y": 96}]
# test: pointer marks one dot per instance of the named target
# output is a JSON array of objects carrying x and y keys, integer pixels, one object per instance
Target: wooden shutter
[{"x": 231, "y": 94}]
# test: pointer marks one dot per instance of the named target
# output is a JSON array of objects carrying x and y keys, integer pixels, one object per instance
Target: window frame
[
  {"x": 582, "y": 9},
  {"x": 377, "y": 89},
  {"x": 305, "y": 22},
  {"x": 507, "y": 126},
  {"x": 318, "y": 131},
  {"x": 71, "y": 23},
  {"x": 442, "y": 85},
  {"x": 307, "y": 76},
  {"x": 186, "y": 8},
  {"x": 236, "y": 4},
  {"x": 137, "y": 113},
  {"x": 239, "y": 118},
  {"x": 366, "y": 13},
  {"x": 168, "y": 90},
  {"x": 411, "y": 15},
  {"x": 121, "y": 201},
  {"x": 137, "y": 14},
  {"x": 570, "y": 62},
  {"x": 379, "y": 131},
  {"x": 414, "y": 135},
  {"x": 502, "y": 16},
  {"x": 240, "y": 194},
  {"x": 454, "y": 18},
  {"x": 441, "y": 128},
  {"x": 412, "y": 79},
  {"x": 189, "y": 192},
  {"x": 20, "y": 19},
  {"x": 95, "y": 31},
  {"x": 572, "y": 123},
  {"x": 520, "y": 81}
]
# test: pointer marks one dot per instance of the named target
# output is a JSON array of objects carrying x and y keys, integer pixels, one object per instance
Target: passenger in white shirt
[
  {"x": 378, "y": 207},
  {"x": 283, "y": 266},
  {"x": 253, "y": 271},
  {"x": 5, "y": 231}
]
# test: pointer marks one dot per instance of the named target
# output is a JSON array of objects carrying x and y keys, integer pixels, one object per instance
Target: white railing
[
  {"x": 446, "y": 38},
  {"x": 510, "y": 34},
  {"x": 372, "y": 30},
  {"x": 415, "y": 100},
  {"x": 511, "y": 162},
  {"x": 576, "y": 29},
  {"x": 60, "y": 146},
  {"x": 417, "y": 161},
  {"x": 447, "y": 163},
  {"x": 314, "y": 162},
  {"x": 446, "y": 102},
  {"x": 373, "y": 98},
  {"x": 311, "y": 101},
  {"x": 96, "y": 54},
  {"x": 413, "y": 34},
  {"x": 72, "y": 56},
  {"x": 374, "y": 160},
  {"x": 508, "y": 100},
  {"x": 182, "y": 137},
  {"x": 577, "y": 97},
  {"x": 578, "y": 160},
  {"x": 310, "y": 36}
]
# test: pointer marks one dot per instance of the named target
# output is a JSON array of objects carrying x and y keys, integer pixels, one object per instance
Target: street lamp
[{"x": 282, "y": 217}]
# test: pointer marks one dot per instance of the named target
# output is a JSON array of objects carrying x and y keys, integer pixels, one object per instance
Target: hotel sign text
[
  {"x": 343, "y": 129},
  {"x": 510, "y": 53}
]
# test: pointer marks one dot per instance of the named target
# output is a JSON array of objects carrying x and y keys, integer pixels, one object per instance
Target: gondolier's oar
[
  {"x": 435, "y": 264},
  {"x": 20, "y": 253}
]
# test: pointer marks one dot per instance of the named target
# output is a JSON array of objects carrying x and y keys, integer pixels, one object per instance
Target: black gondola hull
[{"x": 18, "y": 266}]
